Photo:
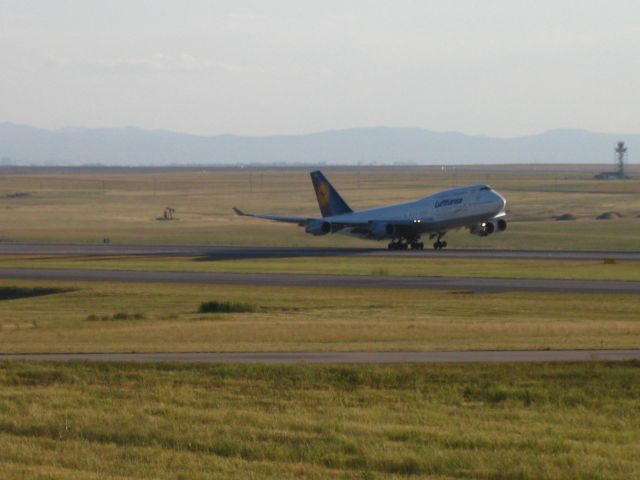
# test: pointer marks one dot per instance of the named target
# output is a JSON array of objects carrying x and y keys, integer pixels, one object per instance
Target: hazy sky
[{"x": 494, "y": 67}]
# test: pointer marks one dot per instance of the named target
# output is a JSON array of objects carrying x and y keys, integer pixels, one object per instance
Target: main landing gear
[
  {"x": 439, "y": 243},
  {"x": 404, "y": 244}
]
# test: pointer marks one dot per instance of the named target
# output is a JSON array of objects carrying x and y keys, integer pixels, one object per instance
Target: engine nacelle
[
  {"x": 480, "y": 229},
  {"x": 500, "y": 224},
  {"x": 318, "y": 227},
  {"x": 380, "y": 230},
  {"x": 487, "y": 228}
]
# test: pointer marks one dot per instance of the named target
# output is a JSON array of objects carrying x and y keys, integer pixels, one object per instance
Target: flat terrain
[
  {"x": 89, "y": 205},
  {"x": 90, "y": 421},
  {"x": 151, "y": 317},
  {"x": 218, "y": 252},
  {"x": 417, "y": 283},
  {"x": 360, "y": 358},
  {"x": 601, "y": 269},
  {"x": 178, "y": 419}
]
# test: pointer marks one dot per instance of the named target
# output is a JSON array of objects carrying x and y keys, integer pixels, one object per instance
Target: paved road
[
  {"x": 343, "y": 357},
  {"x": 226, "y": 252},
  {"x": 335, "y": 281}
]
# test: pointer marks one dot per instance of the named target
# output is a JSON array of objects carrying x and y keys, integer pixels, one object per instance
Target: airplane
[{"x": 478, "y": 208}]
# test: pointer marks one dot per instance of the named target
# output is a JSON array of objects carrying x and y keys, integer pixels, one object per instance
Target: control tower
[
  {"x": 621, "y": 154},
  {"x": 621, "y": 157}
]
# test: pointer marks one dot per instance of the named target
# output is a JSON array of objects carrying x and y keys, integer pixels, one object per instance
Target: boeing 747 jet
[{"x": 476, "y": 207}]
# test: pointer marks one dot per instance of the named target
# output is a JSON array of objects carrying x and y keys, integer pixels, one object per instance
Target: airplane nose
[{"x": 500, "y": 200}]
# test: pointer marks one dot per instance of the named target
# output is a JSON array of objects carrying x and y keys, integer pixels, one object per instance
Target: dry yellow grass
[{"x": 309, "y": 319}]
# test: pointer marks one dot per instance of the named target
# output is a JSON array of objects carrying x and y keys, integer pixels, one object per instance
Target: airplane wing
[
  {"x": 362, "y": 227},
  {"x": 276, "y": 218}
]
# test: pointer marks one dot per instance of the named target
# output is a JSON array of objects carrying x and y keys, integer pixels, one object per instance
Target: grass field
[
  {"x": 123, "y": 421},
  {"x": 95, "y": 316},
  {"x": 90, "y": 205},
  {"x": 483, "y": 268}
]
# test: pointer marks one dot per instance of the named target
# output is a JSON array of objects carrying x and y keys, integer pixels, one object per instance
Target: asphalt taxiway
[
  {"x": 240, "y": 252},
  {"x": 479, "y": 356},
  {"x": 207, "y": 252},
  {"x": 464, "y": 284}
]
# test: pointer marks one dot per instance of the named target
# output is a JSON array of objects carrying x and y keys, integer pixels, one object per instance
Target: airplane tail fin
[{"x": 329, "y": 200}]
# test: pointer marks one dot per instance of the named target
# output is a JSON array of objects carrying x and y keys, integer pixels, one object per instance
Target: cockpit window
[{"x": 485, "y": 188}]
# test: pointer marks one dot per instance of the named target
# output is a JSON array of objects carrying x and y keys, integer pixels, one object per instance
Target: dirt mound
[
  {"x": 609, "y": 216},
  {"x": 564, "y": 217}
]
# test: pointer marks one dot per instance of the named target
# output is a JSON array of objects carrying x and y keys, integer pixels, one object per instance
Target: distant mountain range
[{"x": 25, "y": 145}]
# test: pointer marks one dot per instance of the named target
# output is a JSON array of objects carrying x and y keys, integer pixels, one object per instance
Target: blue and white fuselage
[{"x": 476, "y": 207}]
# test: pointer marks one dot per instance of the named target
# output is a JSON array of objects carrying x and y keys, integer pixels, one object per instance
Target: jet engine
[
  {"x": 487, "y": 228},
  {"x": 379, "y": 230},
  {"x": 500, "y": 224},
  {"x": 318, "y": 227}
]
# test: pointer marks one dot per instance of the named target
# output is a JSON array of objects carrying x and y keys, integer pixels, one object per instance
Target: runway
[
  {"x": 329, "y": 281},
  {"x": 231, "y": 252},
  {"x": 504, "y": 356}
]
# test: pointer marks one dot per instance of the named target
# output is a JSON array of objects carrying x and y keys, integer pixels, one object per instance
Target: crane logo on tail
[
  {"x": 329, "y": 201},
  {"x": 322, "y": 192}
]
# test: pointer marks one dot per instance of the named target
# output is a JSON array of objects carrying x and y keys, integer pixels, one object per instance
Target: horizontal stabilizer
[{"x": 240, "y": 212}]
